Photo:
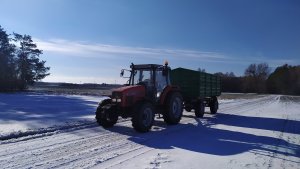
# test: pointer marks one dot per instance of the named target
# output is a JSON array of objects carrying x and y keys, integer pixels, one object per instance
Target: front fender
[{"x": 104, "y": 102}]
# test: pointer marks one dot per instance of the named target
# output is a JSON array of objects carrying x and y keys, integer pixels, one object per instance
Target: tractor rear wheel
[
  {"x": 143, "y": 118},
  {"x": 174, "y": 109}
]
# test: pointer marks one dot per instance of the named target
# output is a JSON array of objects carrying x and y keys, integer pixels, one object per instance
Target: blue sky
[{"x": 91, "y": 40}]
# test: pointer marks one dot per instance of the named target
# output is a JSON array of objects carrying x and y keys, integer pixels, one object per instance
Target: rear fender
[{"x": 166, "y": 92}]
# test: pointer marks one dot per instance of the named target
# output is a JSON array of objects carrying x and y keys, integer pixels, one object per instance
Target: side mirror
[{"x": 122, "y": 73}]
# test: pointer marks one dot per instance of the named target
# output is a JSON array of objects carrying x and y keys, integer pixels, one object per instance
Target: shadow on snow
[{"x": 204, "y": 139}]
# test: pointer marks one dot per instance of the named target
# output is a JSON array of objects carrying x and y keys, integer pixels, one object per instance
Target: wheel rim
[
  {"x": 176, "y": 107},
  {"x": 147, "y": 117}
]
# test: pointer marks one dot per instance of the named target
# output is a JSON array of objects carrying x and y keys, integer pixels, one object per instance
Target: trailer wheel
[
  {"x": 214, "y": 106},
  {"x": 199, "y": 109},
  {"x": 143, "y": 118},
  {"x": 174, "y": 109}
]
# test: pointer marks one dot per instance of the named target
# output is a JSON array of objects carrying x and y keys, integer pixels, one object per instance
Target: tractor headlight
[
  {"x": 116, "y": 100},
  {"x": 116, "y": 97}
]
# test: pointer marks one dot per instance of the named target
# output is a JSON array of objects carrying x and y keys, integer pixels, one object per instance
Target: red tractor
[{"x": 148, "y": 92}]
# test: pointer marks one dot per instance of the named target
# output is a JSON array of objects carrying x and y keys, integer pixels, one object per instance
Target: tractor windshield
[{"x": 142, "y": 77}]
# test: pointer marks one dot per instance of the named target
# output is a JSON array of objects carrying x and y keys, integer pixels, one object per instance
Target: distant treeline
[
  {"x": 258, "y": 79},
  {"x": 20, "y": 65},
  {"x": 75, "y": 86}
]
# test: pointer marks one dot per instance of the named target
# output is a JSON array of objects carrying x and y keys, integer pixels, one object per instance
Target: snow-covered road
[{"x": 250, "y": 133}]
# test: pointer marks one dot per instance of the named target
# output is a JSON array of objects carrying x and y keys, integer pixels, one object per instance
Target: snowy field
[
  {"x": 34, "y": 113},
  {"x": 59, "y": 131}
]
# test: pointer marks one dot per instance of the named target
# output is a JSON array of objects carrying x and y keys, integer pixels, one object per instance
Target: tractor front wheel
[
  {"x": 106, "y": 116},
  {"x": 143, "y": 118}
]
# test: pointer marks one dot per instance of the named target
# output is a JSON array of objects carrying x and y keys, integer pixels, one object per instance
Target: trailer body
[
  {"x": 195, "y": 84},
  {"x": 198, "y": 89}
]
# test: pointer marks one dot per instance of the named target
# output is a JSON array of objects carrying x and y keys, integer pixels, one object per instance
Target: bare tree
[
  {"x": 263, "y": 71},
  {"x": 255, "y": 77},
  {"x": 201, "y": 70}
]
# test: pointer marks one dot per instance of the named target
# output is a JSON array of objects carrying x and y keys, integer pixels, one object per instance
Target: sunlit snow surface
[{"x": 46, "y": 131}]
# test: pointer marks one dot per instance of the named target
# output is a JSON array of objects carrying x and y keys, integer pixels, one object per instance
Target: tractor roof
[{"x": 145, "y": 66}]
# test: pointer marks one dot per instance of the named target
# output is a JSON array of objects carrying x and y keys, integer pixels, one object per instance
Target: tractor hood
[
  {"x": 127, "y": 88},
  {"x": 129, "y": 94}
]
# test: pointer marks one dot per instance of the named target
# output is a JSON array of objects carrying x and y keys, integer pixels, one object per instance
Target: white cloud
[
  {"x": 97, "y": 50},
  {"x": 104, "y": 52},
  {"x": 84, "y": 49},
  {"x": 84, "y": 79}
]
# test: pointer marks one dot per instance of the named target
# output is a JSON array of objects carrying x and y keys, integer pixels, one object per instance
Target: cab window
[
  {"x": 142, "y": 76},
  {"x": 161, "y": 81}
]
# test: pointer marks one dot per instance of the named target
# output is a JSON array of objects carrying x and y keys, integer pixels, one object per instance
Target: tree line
[
  {"x": 20, "y": 65},
  {"x": 258, "y": 78}
]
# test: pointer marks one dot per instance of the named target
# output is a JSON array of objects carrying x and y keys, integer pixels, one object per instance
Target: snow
[
  {"x": 226, "y": 101},
  {"x": 23, "y": 113},
  {"x": 245, "y": 133}
]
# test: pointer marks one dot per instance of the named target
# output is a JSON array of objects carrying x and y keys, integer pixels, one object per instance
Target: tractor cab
[
  {"x": 148, "y": 92},
  {"x": 152, "y": 76}
]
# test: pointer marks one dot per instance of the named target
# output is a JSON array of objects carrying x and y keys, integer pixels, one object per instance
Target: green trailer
[{"x": 198, "y": 89}]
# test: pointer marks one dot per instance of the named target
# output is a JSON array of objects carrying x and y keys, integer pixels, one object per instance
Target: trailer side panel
[{"x": 195, "y": 84}]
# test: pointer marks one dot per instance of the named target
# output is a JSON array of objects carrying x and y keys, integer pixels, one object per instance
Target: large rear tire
[
  {"x": 214, "y": 105},
  {"x": 143, "y": 118},
  {"x": 174, "y": 109},
  {"x": 199, "y": 109},
  {"x": 105, "y": 115}
]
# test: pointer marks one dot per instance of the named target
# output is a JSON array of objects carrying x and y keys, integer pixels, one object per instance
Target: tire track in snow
[
  {"x": 286, "y": 102},
  {"x": 60, "y": 151},
  {"x": 67, "y": 149},
  {"x": 91, "y": 158}
]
